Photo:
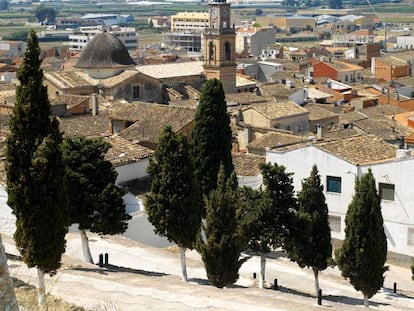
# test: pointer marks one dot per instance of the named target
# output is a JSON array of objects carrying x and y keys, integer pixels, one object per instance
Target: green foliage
[
  {"x": 257, "y": 218},
  {"x": 258, "y": 12},
  {"x": 335, "y": 4},
  {"x": 20, "y": 35},
  {"x": 35, "y": 169},
  {"x": 44, "y": 13},
  {"x": 283, "y": 206},
  {"x": 364, "y": 251},
  {"x": 220, "y": 248},
  {"x": 211, "y": 136},
  {"x": 95, "y": 202},
  {"x": 312, "y": 247},
  {"x": 173, "y": 205}
]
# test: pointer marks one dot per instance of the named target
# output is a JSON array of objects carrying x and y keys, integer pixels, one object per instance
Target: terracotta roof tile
[
  {"x": 360, "y": 150},
  {"x": 123, "y": 151},
  {"x": 247, "y": 164}
]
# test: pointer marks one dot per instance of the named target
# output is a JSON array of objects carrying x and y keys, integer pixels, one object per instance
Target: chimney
[
  {"x": 247, "y": 135},
  {"x": 319, "y": 128},
  {"x": 94, "y": 104},
  {"x": 403, "y": 154}
]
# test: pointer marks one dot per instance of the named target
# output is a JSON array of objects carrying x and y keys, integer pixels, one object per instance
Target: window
[
  {"x": 335, "y": 223},
  {"x": 333, "y": 184},
  {"x": 211, "y": 50},
  {"x": 227, "y": 50},
  {"x": 386, "y": 191},
  {"x": 410, "y": 236},
  {"x": 135, "y": 91}
]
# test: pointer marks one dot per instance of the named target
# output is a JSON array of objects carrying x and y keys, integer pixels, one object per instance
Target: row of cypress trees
[
  {"x": 195, "y": 202},
  {"x": 53, "y": 183}
]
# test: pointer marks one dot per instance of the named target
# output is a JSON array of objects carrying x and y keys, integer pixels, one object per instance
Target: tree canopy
[
  {"x": 34, "y": 166},
  {"x": 35, "y": 171},
  {"x": 312, "y": 245},
  {"x": 212, "y": 137},
  {"x": 44, "y": 13},
  {"x": 363, "y": 254},
  {"x": 222, "y": 240},
  {"x": 95, "y": 202},
  {"x": 283, "y": 205},
  {"x": 174, "y": 205}
]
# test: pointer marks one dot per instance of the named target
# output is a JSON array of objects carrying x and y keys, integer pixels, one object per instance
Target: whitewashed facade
[{"x": 394, "y": 180}]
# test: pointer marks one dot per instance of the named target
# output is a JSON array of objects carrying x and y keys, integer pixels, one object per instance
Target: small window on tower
[
  {"x": 227, "y": 50},
  {"x": 211, "y": 50}
]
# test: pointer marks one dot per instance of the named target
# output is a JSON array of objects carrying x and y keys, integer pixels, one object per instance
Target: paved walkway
[{"x": 145, "y": 278}]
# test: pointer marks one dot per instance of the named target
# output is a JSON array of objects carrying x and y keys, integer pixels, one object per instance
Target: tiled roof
[
  {"x": 247, "y": 164},
  {"x": 316, "y": 112},
  {"x": 384, "y": 128},
  {"x": 73, "y": 79},
  {"x": 391, "y": 61},
  {"x": 245, "y": 98},
  {"x": 274, "y": 139},
  {"x": 276, "y": 89},
  {"x": 123, "y": 151},
  {"x": 277, "y": 110},
  {"x": 360, "y": 150},
  {"x": 245, "y": 81},
  {"x": 150, "y": 119},
  {"x": 172, "y": 70},
  {"x": 70, "y": 100},
  {"x": 341, "y": 133},
  {"x": 67, "y": 79},
  {"x": 85, "y": 125}
]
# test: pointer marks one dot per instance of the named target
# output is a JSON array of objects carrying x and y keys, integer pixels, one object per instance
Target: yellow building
[
  {"x": 189, "y": 21},
  {"x": 288, "y": 23}
]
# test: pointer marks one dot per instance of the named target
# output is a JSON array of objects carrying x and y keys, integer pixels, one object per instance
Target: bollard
[
  {"x": 320, "y": 297},
  {"x": 395, "y": 287},
  {"x": 275, "y": 286},
  {"x": 106, "y": 259},
  {"x": 100, "y": 260},
  {"x": 254, "y": 275}
]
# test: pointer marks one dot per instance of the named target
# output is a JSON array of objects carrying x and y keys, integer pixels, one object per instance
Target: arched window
[
  {"x": 227, "y": 50},
  {"x": 211, "y": 50}
]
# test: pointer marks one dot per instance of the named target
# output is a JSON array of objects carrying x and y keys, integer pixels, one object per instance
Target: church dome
[{"x": 104, "y": 51}]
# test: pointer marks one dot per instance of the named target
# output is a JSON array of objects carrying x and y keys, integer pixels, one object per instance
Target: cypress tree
[
  {"x": 173, "y": 205},
  {"x": 363, "y": 254},
  {"x": 272, "y": 214},
  {"x": 211, "y": 136},
  {"x": 280, "y": 191},
  {"x": 35, "y": 169},
  {"x": 313, "y": 246},
  {"x": 95, "y": 202},
  {"x": 223, "y": 242},
  {"x": 256, "y": 216}
]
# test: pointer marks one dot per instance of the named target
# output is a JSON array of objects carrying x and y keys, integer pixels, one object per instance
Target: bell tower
[{"x": 220, "y": 45}]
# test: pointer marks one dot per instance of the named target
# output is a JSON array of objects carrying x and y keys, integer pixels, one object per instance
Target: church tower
[{"x": 220, "y": 45}]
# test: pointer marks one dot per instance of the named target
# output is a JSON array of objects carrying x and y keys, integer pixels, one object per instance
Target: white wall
[
  {"x": 398, "y": 215},
  {"x": 132, "y": 171}
]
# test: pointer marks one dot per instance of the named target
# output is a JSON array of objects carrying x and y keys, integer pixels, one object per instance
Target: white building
[
  {"x": 127, "y": 35},
  {"x": 340, "y": 162},
  {"x": 108, "y": 19}
]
